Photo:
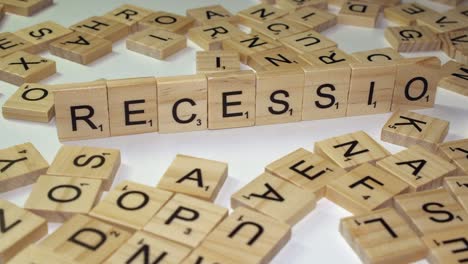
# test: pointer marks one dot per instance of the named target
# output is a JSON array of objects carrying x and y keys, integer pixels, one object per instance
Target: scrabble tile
[
  {"x": 37, "y": 255},
  {"x": 275, "y": 197},
  {"x": 40, "y": 35},
  {"x": 207, "y": 14},
  {"x": 231, "y": 99},
  {"x": 306, "y": 170},
  {"x": 279, "y": 96},
  {"x": 249, "y": 44},
  {"x": 294, "y": 5},
  {"x": 410, "y": 128},
  {"x": 447, "y": 246},
  {"x": 83, "y": 239},
  {"x": 81, "y": 48},
  {"x": 186, "y": 220},
  {"x": 58, "y": 198},
  {"x": 327, "y": 81},
  {"x": 359, "y": 14},
  {"x": 377, "y": 55},
  {"x": 416, "y": 83},
  {"x": 460, "y": 11},
  {"x": 308, "y": 41},
  {"x": 458, "y": 188},
  {"x": 351, "y": 150},
  {"x": 81, "y": 111},
  {"x": 156, "y": 43},
  {"x": 455, "y": 45},
  {"x": 31, "y": 102},
  {"x": 132, "y": 106},
  {"x": 11, "y": 43},
  {"x": 244, "y": 237},
  {"x": 455, "y": 78},
  {"x": 371, "y": 88},
  {"x": 457, "y": 152},
  {"x": 217, "y": 61},
  {"x": 431, "y": 211},
  {"x": 86, "y": 162},
  {"x": 407, "y": 14},
  {"x": 412, "y": 38},
  {"x": 102, "y": 27},
  {"x": 129, "y": 15},
  {"x": 419, "y": 168},
  {"x": 259, "y": 14},
  {"x": 25, "y": 8},
  {"x": 277, "y": 59},
  {"x": 212, "y": 35},
  {"x": 382, "y": 237},
  {"x": 442, "y": 23},
  {"x": 20, "y": 228},
  {"x": 22, "y": 67},
  {"x": 20, "y": 165},
  {"x": 130, "y": 205},
  {"x": 182, "y": 103},
  {"x": 316, "y": 19},
  {"x": 279, "y": 28},
  {"x": 384, "y": 3},
  {"x": 167, "y": 21},
  {"x": 201, "y": 178},
  {"x": 364, "y": 189},
  {"x": 151, "y": 249}
]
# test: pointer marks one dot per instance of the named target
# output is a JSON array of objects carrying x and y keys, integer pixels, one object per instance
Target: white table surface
[{"x": 247, "y": 150}]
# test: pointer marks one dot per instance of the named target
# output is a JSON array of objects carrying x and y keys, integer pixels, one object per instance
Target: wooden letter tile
[
  {"x": 382, "y": 237},
  {"x": 211, "y": 36},
  {"x": 418, "y": 167},
  {"x": 455, "y": 78},
  {"x": 231, "y": 99},
  {"x": 156, "y": 43},
  {"x": 258, "y": 14},
  {"x": 412, "y": 38},
  {"x": 11, "y": 43},
  {"x": 306, "y": 170},
  {"x": 58, "y": 198},
  {"x": 86, "y": 162},
  {"x": 207, "y": 14},
  {"x": 416, "y": 83},
  {"x": 442, "y": 23},
  {"x": 166, "y": 21},
  {"x": 316, "y": 19},
  {"x": 40, "y": 35},
  {"x": 364, "y": 189},
  {"x": 81, "y": 48},
  {"x": 201, "y": 178},
  {"x": 32, "y": 102},
  {"x": 20, "y": 165},
  {"x": 20, "y": 228},
  {"x": 377, "y": 55},
  {"x": 459, "y": 11},
  {"x": 276, "y": 59},
  {"x": 458, "y": 187},
  {"x": 410, "y": 128},
  {"x": 132, "y": 106},
  {"x": 431, "y": 211},
  {"x": 38, "y": 255},
  {"x": 244, "y": 237},
  {"x": 25, "y": 8},
  {"x": 279, "y": 28},
  {"x": 83, "y": 239},
  {"x": 102, "y": 27},
  {"x": 447, "y": 246},
  {"x": 22, "y": 67},
  {"x": 275, "y": 197},
  {"x": 151, "y": 249},
  {"x": 294, "y": 5},
  {"x": 407, "y": 14},
  {"x": 186, "y": 220},
  {"x": 455, "y": 45},
  {"x": 130, "y": 205},
  {"x": 81, "y": 110},
  {"x": 457, "y": 152},
  {"x": 217, "y": 61},
  {"x": 351, "y": 150},
  {"x": 359, "y": 14},
  {"x": 308, "y": 41},
  {"x": 371, "y": 88},
  {"x": 129, "y": 15},
  {"x": 182, "y": 103},
  {"x": 249, "y": 44}
]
